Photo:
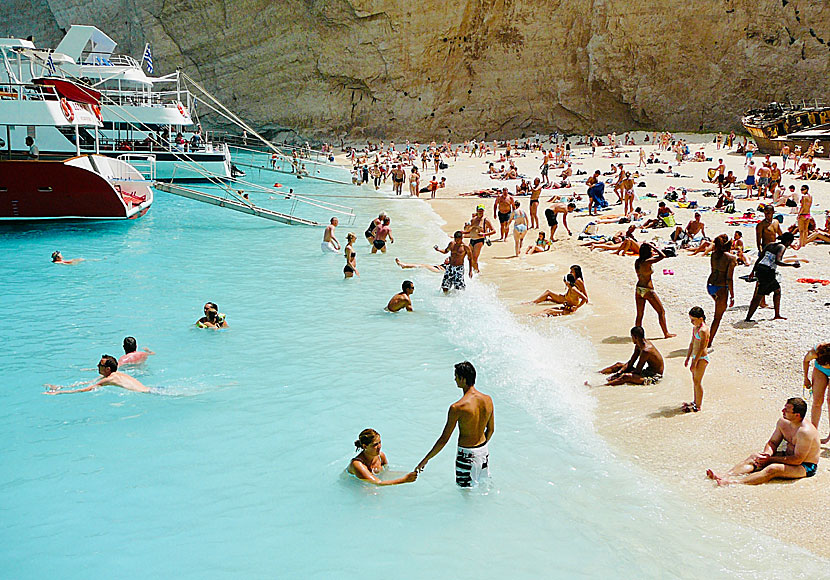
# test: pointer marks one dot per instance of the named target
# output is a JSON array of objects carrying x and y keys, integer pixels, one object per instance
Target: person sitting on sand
[
  {"x": 699, "y": 357},
  {"x": 800, "y": 459},
  {"x": 541, "y": 245},
  {"x": 820, "y": 357},
  {"x": 688, "y": 234},
  {"x": 437, "y": 268},
  {"x": 402, "y": 299},
  {"x": 57, "y": 258},
  {"x": 621, "y": 243},
  {"x": 661, "y": 221},
  {"x": 371, "y": 461},
  {"x": 568, "y": 302},
  {"x": 108, "y": 368},
  {"x": 765, "y": 272},
  {"x": 212, "y": 318},
  {"x": 738, "y": 248},
  {"x": 132, "y": 356},
  {"x": 645, "y": 367}
]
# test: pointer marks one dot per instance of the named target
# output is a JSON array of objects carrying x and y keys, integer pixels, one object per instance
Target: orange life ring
[
  {"x": 181, "y": 109},
  {"x": 97, "y": 110},
  {"x": 278, "y": 185},
  {"x": 67, "y": 110}
]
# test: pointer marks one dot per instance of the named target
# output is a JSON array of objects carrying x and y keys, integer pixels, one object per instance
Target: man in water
[
  {"x": 402, "y": 299},
  {"x": 382, "y": 232},
  {"x": 645, "y": 367},
  {"x": 108, "y": 367},
  {"x": 330, "y": 243},
  {"x": 376, "y": 223},
  {"x": 454, "y": 272},
  {"x": 57, "y": 258},
  {"x": 503, "y": 209},
  {"x": 800, "y": 459},
  {"x": 132, "y": 356},
  {"x": 473, "y": 413}
]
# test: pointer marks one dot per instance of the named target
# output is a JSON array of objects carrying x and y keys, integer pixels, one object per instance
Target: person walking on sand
[
  {"x": 502, "y": 208},
  {"x": 804, "y": 215},
  {"x": 645, "y": 367},
  {"x": 719, "y": 283},
  {"x": 520, "y": 225},
  {"x": 535, "y": 194},
  {"x": 798, "y": 461},
  {"x": 820, "y": 357},
  {"x": 765, "y": 272},
  {"x": 108, "y": 368},
  {"x": 454, "y": 272},
  {"x": 473, "y": 413},
  {"x": 699, "y": 357},
  {"x": 644, "y": 291},
  {"x": 371, "y": 461}
]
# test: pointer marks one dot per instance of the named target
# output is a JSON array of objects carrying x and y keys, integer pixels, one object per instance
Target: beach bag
[
  {"x": 669, "y": 221},
  {"x": 729, "y": 207},
  {"x": 442, "y": 165},
  {"x": 670, "y": 252},
  {"x": 590, "y": 229}
]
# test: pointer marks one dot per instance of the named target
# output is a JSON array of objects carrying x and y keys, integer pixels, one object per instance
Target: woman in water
[
  {"x": 698, "y": 354},
  {"x": 371, "y": 461},
  {"x": 520, "y": 225},
  {"x": 644, "y": 291},
  {"x": 820, "y": 355},
  {"x": 350, "y": 269},
  {"x": 719, "y": 283}
]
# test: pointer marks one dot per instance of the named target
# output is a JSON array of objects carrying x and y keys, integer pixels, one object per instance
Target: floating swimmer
[
  {"x": 108, "y": 367},
  {"x": 372, "y": 460},
  {"x": 212, "y": 318},
  {"x": 57, "y": 258}
]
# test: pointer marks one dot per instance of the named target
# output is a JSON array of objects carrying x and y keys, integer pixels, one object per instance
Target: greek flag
[
  {"x": 148, "y": 58},
  {"x": 50, "y": 64}
]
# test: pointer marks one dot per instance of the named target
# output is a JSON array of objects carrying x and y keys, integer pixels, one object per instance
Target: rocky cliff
[{"x": 453, "y": 69}]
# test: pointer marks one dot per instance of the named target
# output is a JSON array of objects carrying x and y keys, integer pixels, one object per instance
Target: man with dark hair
[
  {"x": 402, "y": 299},
  {"x": 765, "y": 272},
  {"x": 108, "y": 368},
  {"x": 473, "y": 413},
  {"x": 799, "y": 459},
  {"x": 551, "y": 214},
  {"x": 645, "y": 367},
  {"x": 132, "y": 356},
  {"x": 454, "y": 271}
]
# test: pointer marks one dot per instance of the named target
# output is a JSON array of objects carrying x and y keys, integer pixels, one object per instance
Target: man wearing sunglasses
[{"x": 108, "y": 368}]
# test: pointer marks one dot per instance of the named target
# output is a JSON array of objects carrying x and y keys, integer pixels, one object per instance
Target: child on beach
[
  {"x": 542, "y": 245},
  {"x": 698, "y": 354}
]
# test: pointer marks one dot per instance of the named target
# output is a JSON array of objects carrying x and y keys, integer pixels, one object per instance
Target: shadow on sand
[{"x": 666, "y": 413}]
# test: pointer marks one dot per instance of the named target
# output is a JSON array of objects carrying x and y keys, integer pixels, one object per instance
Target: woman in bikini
[
  {"x": 520, "y": 225},
  {"x": 541, "y": 245},
  {"x": 478, "y": 230},
  {"x": 699, "y": 356},
  {"x": 575, "y": 294},
  {"x": 644, "y": 291},
  {"x": 719, "y": 283},
  {"x": 535, "y": 193},
  {"x": 820, "y": 356},
  {"x": 372, "y": 461},
  {"x": 350, "y": 269}
]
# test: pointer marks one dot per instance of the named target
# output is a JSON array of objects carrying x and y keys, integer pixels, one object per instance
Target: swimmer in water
[
  {"x": 402, "y": 299},
  {"x": 437, "y": 268},
  {"x": 212, "y": 318},
  {"x": 371, "y": 460},
  {"x": 132, "y": 356},
  {"x": 57, "y": 258},
  {"x": 108, "y": 367}
]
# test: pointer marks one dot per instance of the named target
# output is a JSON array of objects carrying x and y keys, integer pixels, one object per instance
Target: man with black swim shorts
[
  {"x": 381, "y": 233},
  {"x": 766, "y": 275},
  {"x": 503, "y": 208},
  {"x": 553, "y": 222},
  {"x": 370, "y": 231}
]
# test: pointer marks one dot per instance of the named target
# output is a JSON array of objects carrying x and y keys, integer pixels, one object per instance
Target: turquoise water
[{"x": 235, "y": 469}]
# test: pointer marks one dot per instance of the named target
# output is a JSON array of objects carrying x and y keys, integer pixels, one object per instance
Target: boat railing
[
  {"x": 144, "y": 163},
  {"x": 150, "y": 146},
  {"x": 137, "y": 98},
  {"x": 28, "y": 92},
  {"x": 107, "y": 59}
]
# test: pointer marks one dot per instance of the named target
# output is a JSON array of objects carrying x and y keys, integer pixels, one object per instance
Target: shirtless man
[
  {"x": 376, "y": 223},
  {"x": 398, "y": 177},
  {"x": 785, "y": 155},
  {"x": 478, "y": 230},
  {"x": 535, "y": 193},
  {"x": 694, "y": 227},
  {"x": 503, "y": 208},
  {"x": 381, "y": 233},
  {"x": 800, "y": 459},
  {"x": 721, "y": 175},
  {"x": 804, "y": 215},
  {"x": 645, "y": 367},
  {"x": 473, "y": 413},
  {"x": 330, "y": 243},
  {"x": 763, "y": 180},
  {"x": 108, "y": 367},
  {"x": 767, "y": 230},
  {"x": 750, "y": 179},
  {"x": 553, "y": 221},
  {"x": 402, "y": 299},
  {"x": 131, "y": 355},
  {"x": 454, "y": 273}
]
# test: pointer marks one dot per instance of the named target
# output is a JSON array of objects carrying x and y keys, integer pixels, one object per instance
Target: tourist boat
[
  {"x": 140, "y": 115},
  {"x": 780, "y": 124},
  {"x": 89, "y": 187}
]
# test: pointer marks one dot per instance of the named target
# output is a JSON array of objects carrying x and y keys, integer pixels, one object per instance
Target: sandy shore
[{"x": 754, "y": 367}]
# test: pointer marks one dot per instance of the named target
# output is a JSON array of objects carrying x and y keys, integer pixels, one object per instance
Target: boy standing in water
[{"x": 473, "y": 413}]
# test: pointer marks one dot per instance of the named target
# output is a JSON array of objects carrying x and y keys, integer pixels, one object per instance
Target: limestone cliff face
[{"x": 432, "y": 69}]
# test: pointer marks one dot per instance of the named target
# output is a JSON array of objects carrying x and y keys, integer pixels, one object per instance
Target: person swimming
[
  {"x": 371, "y": 461},
  {"x": 108, "y": 368},
  {"x": 212, "y": 318},
  {"x": 131, "y": 355},
  {"x": 57, "y": 258}
]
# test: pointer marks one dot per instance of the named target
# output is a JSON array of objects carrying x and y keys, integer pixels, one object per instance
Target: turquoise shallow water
[{"x": 236, "y": 468}]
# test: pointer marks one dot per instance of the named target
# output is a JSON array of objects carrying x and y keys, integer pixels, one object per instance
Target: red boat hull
[{"x": 52, "y": 190}]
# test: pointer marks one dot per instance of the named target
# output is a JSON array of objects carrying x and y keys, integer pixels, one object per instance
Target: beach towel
[
  {"x": 597, "y": 193},
  {"x": 814, "y": 281}
]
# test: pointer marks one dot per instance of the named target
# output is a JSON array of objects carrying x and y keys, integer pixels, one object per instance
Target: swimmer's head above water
[
  {"x": 369, "y": 439},
  {"x": 56, "y": 256},
  {"x": 107, "y": 365},
  {"x": 129, "y": 345}
]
